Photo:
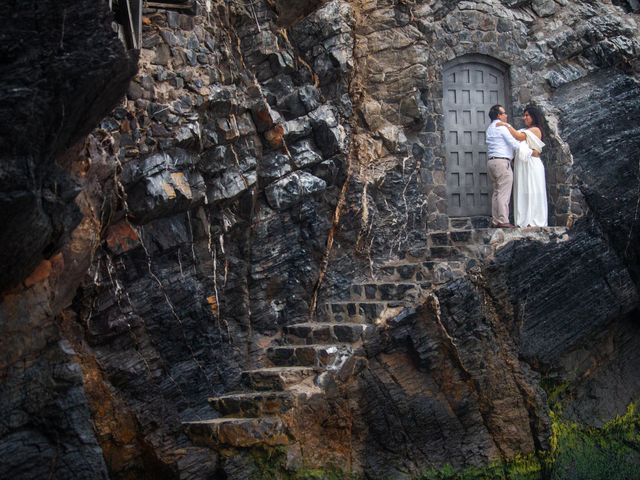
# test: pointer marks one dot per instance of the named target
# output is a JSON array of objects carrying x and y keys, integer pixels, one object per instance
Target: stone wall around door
[{"x": 401, "y": 51}]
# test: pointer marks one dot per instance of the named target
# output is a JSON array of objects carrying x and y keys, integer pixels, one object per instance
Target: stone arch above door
[{"x": 471, "y": 85}]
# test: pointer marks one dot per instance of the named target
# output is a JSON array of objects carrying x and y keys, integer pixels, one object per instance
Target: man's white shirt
[{"x": 500, "y": 143}]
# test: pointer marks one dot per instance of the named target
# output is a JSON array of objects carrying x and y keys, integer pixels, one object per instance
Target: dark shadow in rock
[{"x": 57, "y": 84}]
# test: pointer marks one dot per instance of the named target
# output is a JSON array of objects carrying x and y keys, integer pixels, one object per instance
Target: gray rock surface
[
  {"x": 162, "y": 183},
  {"x": 601, "y": 291},
  {"x": 292, "y": 189}
]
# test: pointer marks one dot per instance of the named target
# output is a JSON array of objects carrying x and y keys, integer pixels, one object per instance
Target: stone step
[
  {"x": 469, "y": 223},
  {"x": 362, "y": 311},
  {"x": 435, "y": 253},
  {"x": 238, "y": 432},
  {"x": 387, "y": 291},
  {"x": 253, "y": 404},
  {"x": 321, "y": 333},
  {"x": 277, "y": 378},
  {"x": 400, "y": 280},
  {"x": 425, "y": 273},
  {"x": 327, "y": 356},
  {"x": 454, "y": 238},
  {"x": 479, "y": 243}
]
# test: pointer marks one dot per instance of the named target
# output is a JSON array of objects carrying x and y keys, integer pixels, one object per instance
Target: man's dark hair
[
  {"x": 495, "y": 111},
  {"x": 536, "y": 116}
]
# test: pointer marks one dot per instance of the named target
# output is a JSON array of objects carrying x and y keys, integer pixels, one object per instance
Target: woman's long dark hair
[{"x": 536, "y": 115}]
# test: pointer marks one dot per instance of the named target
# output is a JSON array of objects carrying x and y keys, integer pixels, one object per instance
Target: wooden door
[{"x": 470, "y": 89}]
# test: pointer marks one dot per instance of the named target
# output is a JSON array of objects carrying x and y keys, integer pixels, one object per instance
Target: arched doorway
[{"x": 471, "y": 85}]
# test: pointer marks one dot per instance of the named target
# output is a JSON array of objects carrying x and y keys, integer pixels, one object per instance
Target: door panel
[{"x": 470, "y": 90}]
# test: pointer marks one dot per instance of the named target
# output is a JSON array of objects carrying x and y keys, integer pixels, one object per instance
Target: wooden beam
[
  {"x": 138, "y": 19},
  {"x": 171, "y": 6},
  {"x": 131, "y": 28}
]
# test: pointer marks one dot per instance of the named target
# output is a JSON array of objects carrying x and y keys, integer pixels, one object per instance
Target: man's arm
[{"x": 504, "y": 133}]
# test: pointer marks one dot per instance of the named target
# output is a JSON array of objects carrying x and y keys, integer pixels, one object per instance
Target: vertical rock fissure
[
  {"x": 635, "y": 213},
  {"x": 329, "y": 244},
  {"x": 354, "y": 94},
  {"x": 434, "y": 303},
  {"x": 484, "y": 403}
]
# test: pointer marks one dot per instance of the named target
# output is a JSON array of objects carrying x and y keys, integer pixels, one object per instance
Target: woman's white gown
[{"x": 529, "y": 185}]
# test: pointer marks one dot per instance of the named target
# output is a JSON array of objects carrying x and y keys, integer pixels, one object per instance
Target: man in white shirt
[{"x": 501, "y": 147}]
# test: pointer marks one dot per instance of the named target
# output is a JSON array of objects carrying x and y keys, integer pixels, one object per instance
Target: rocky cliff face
[
  {"x": 266, "y": 212},
  {"x": 62, "y": 71}
]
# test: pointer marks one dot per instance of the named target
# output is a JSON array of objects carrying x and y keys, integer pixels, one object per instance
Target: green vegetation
[
  {"x": 332, "y": 474},
  {"x": 270, "y": 463},
  {"x": 522, "y": 468},
  {"x": 556, "y": 391},
  {"x": 577, "y": 453},
  {"x": 584, "y": 453}
]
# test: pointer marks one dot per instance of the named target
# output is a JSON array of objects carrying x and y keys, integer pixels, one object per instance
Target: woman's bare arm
[{"x": 514, "y": 133}]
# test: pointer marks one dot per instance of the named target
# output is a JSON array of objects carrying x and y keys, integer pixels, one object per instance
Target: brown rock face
[
  {"x": 122, "y": 237},
  {"x": 116, "y": 428},
  {"x": 39, "y": 372},
  {"x": 40, "y": 273},
  {"x": 433, "y": 379}
]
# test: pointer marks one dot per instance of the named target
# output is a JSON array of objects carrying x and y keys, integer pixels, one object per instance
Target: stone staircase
[
  {"x": 306, "y": 353},
  {"x": 301, "y": 357}
]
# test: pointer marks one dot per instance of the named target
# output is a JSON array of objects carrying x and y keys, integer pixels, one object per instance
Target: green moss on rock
[{"x": 577, "y": 452}]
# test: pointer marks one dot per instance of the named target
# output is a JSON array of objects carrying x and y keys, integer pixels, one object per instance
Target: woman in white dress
[{"x": 529, "y": 185}]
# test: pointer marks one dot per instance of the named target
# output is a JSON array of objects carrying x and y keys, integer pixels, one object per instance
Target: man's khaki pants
[{"x": 501, "y": 177}]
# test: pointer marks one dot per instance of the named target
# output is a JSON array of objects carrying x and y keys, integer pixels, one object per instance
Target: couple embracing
[{"x": 529, "y": 188}]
